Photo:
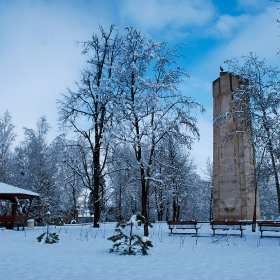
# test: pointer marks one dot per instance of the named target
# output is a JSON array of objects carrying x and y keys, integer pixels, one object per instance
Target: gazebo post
[{"x": 14, "y": 212}]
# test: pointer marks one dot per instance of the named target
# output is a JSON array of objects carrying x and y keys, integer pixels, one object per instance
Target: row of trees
[
  {"x": 55, "y": 171},
  {"x": 38, "y": 166}
]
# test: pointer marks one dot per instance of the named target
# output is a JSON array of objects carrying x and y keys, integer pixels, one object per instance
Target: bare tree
[
  {"x": 85, "y": 111},
  {"x": 149, "y": 103},
  {"x": 260, "y": 86}
]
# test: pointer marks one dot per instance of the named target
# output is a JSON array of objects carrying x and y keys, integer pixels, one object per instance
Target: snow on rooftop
[{"x": 4, "y": 188}]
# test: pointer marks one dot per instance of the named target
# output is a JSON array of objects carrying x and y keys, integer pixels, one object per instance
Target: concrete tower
[{"x": 233, "y": 188}]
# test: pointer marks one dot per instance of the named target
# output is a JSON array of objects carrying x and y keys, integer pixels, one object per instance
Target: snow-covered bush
[{"x": 127, "y": 241}]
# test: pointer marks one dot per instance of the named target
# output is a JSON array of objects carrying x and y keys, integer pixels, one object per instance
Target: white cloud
[
  {"x": 226, "y": 25},
  {"x": 260, "y": 36},
  {"x": 252, "y": 5},
  {"x": 161, "y": 14}
]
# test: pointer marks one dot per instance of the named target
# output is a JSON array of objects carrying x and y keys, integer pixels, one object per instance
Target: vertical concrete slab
[{"x": 233, "y": 188}]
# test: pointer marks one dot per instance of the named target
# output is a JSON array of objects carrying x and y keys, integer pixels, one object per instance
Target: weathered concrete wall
[{"x": 233, "y": 188}]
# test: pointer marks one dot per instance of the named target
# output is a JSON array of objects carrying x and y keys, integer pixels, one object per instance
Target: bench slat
[
  {"x": 182, "y": 226},
  {"x": 269, "y": 226},
  {"x": 228, "y": 225}
]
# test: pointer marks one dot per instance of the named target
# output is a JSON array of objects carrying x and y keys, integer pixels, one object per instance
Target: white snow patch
[
  {"x": 133, "y": 220},
  {"x": 145, "y": 238}
]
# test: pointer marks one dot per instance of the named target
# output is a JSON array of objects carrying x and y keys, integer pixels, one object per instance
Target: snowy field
[{"x": 83, "y": 253}]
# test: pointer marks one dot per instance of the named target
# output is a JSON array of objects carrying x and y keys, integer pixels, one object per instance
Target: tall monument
[{"x": 233, "y": 187}]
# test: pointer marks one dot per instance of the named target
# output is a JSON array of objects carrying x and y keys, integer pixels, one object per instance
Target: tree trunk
[
  {"x": 167, "y": 212},
  {"x": 144, "y": 199},
  {"x": 74, "y": 211},
  {"x": 96, "y": 185},
  {"x": 176, "y": 210},
  {"x": 120, "y": 204}
]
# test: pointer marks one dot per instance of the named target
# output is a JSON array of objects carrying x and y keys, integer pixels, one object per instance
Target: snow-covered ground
[{"x": 83, "y": 253}]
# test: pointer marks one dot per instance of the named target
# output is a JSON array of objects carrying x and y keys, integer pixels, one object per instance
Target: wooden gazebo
[{"x": 15, "y": 204}]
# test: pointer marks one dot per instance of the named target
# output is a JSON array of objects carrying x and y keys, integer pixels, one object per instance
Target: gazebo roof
[{"x": 11, "y": 190}]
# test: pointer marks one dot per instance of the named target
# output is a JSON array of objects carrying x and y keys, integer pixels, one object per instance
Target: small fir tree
[
  {"x": 127, "y": 241},
  {"x": 47, "y": 237}
]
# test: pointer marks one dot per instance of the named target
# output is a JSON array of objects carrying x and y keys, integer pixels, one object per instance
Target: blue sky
[{"x": 39, "y": 58}]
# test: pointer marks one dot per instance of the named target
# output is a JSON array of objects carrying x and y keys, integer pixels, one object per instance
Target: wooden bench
[
  {"x": 228, "y": 225},
  {"x": 10, "y": 222},
  {"x": 7, "y": 221},
  {"x": 269, "y": 226},
  {"x": 174, "y": 225}
]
